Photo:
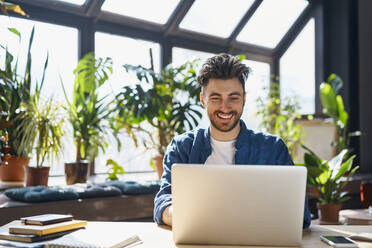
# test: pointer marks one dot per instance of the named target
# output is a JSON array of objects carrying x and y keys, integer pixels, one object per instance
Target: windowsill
[{"x": 98, "y": 178}]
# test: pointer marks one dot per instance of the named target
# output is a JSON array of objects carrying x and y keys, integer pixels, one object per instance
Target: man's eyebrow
[
  {"x": 235, "y": 93},
  {"x": 214, "y": 94}
]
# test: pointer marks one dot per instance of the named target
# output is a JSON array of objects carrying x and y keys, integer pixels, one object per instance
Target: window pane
[
  {"x": 297, "y": 70},
  {"x": 256, "y": 86},
  {"x": 61, "y": 44},
  {"x": 271, "y": 21},
  {"x": 217, "y": 18},
  {"x": 125, "y": 50},
  {"x": 154, "y": 11}
]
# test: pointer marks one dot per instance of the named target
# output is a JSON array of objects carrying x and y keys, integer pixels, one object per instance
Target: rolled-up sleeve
[{"x": 164, "y": 197}]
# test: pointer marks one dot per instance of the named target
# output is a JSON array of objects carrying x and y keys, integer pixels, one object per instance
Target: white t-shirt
[{"x": 223, "y": 152}]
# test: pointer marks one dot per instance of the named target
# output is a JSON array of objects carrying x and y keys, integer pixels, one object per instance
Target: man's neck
[{"x": 224, "y": 136}]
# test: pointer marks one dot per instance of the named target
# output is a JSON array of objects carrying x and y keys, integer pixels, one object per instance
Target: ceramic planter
[
  {"x": 35, "y": 176},
  {"x": 76, "y": 172},
  {"x": 11, "y": 169},
  {"x": 328, "y": 213}
]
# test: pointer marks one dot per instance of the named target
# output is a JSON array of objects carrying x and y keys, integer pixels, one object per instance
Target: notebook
[
  {"x": 238, "y": 205},
  {"x": 20, "y": 228},
  {"x": 46, "y": 219},
  {"x": 95, "y": 237}
]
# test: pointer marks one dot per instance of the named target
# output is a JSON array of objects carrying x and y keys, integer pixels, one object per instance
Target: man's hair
[{"x": 223, "y": 66}]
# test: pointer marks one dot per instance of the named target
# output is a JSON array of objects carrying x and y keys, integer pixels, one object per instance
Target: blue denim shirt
[{"x": 194, "y": 147}]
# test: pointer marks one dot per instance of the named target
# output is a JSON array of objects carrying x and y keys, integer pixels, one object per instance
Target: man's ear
[{"x": 202, "y": 100}]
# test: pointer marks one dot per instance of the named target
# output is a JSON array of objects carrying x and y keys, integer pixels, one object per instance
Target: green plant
[
  {"x": 329, "y": 178},
  {"x": 44, "y": 124},
  {"x": 114, "y": 170},
  {"x": 15, "y": 91},
  {"x": 333, "y": 106},
  {"x": 278, "y": 117},
  {"x": 159, "y": 104},
  {"x": 87, "y": 111},
  {"x": 6, "y": 6}
]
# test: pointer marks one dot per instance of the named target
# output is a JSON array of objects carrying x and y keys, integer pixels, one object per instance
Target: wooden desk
[{"x": 155, "y": 236}]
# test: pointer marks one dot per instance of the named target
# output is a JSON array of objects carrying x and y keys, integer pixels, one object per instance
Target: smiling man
[{"x": 227, "y": 140}]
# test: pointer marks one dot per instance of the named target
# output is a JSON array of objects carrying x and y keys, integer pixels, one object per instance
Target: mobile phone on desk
[{"x": 338, "y": 241}]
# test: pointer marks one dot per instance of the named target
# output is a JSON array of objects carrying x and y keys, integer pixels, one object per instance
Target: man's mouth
[{"x": 225, "y": 116}]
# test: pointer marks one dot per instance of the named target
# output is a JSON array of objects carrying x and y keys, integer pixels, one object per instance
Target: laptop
[{"x": 238, "y": 204}]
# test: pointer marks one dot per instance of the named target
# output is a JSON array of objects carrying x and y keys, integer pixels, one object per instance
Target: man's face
[{"x": 224, "y": 101}]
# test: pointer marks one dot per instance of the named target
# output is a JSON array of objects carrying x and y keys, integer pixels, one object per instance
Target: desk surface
[{"x": 155, "y": 236}]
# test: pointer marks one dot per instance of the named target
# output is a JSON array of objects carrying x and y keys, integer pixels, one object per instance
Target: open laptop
[{"x": 238, "y": 204}]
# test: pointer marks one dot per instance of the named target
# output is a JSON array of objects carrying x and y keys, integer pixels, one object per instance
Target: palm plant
[
  {"x": 87, "y": 111},
  {"x": 43, "y": 122}
]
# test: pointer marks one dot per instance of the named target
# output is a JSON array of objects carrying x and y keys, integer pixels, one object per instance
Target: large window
[
  {"x": 125, "y": 50},
  {"x": 57, "y": 42},
  {"x": 297, "y": 70}
]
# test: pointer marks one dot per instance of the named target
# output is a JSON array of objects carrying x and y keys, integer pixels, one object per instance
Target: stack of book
[
  {"x": 40, "y": 227},
  {"x": 356, "y": 217}
]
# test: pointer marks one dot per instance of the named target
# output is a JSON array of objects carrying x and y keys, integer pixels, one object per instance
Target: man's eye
[
  {"x": 214, "y": 99},
  {"x": 235, "y": 99}
]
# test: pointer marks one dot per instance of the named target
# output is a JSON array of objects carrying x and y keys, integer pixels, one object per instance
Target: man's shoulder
[
  {"x": 190, "y": 136},
  {"x": 261, "y": 137}
]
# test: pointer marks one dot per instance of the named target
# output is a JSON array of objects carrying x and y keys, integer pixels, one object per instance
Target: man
[{"x": 227, "y": 141}]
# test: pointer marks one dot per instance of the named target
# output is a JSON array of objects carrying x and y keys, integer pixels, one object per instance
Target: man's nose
[{"x": 225, "y": 105}]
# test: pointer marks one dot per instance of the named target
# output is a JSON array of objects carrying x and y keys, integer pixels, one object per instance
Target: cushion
[
  {"x": 135, "y": 188},
  {"x": 89, "y": 190},
  {"x": 41, "y": 194}
]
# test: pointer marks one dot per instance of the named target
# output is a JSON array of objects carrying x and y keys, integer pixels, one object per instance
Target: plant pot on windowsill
[
  {"x": 35, "y": 176},
  {"x": 329, "y": 213},
  {"x": 76, "y": 172},
  {"x": 11, "y": 169},
  {"x": 158, "y": 162}
]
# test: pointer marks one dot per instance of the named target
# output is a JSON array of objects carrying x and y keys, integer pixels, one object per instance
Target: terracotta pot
[
  {"x": 35, "y": 176},
  {"x": 328, "y": 213},
  {"x": 158, "y": 161},
  {"x": 11, "y": 169},
  {"x": 76, "y": 172}
]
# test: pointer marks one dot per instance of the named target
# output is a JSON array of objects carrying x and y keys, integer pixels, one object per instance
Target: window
[
  {"x": 256, "y": 86},
  {"x": 297, "y": 70},
  {"x": 271, "y": 21},
  {"x": 125, "y": 50},
  {"x": 154, "y": 11},
  {"x": 217, "y": 18},
  {"x": 60, "y": 43}
]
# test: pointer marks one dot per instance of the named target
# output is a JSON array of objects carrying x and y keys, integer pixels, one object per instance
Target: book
[
  {"x": 29, "y": 238},
  {"x": 95, "y": 237},
  {"x": 46, "y": 219},
  {"x": 20, "y": 228},
  {"x": 356, "y": 217},
  {"x": 362, "y": 236}
]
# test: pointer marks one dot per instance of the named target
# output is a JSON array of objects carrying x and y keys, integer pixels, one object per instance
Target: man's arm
[
  {"x": 163, "y": 199},
  {"x": 167, "y": 215}
]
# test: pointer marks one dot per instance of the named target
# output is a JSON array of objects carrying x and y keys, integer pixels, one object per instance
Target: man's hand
[{"x": 167, "y": 215}]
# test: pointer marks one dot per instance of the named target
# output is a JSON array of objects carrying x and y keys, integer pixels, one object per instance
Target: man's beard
[{"x": 225, "y": 128}]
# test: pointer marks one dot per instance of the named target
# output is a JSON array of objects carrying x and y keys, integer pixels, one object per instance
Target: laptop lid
[{"x": 238, "y": 205}]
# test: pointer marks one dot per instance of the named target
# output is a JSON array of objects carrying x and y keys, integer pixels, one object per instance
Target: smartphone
[{"x": 338, "y": 241}]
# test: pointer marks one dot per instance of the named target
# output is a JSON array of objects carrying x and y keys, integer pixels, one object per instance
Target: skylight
[{"x": 271, "y": 21}]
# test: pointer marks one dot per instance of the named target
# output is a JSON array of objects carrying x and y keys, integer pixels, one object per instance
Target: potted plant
[
  {"x": 15, "y": 90},
  {"x": 44, "y": 124},
  {"x": 329, "y": 179},
  {"x": 333, "y": 106},
  {"x": 159, "y": 105},
  {"x": 87, "y": 115}
]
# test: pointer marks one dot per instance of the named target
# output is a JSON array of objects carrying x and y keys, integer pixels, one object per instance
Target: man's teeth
[{"x": 224, "y": 116}]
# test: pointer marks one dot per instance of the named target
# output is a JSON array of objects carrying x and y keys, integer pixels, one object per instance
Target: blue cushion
[
  {"x": 135, "y": 188},
  {"x": 41, "y": 194}
]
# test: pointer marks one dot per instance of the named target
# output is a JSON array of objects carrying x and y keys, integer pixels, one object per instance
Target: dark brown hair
[{"x": 223, "y": 66}]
